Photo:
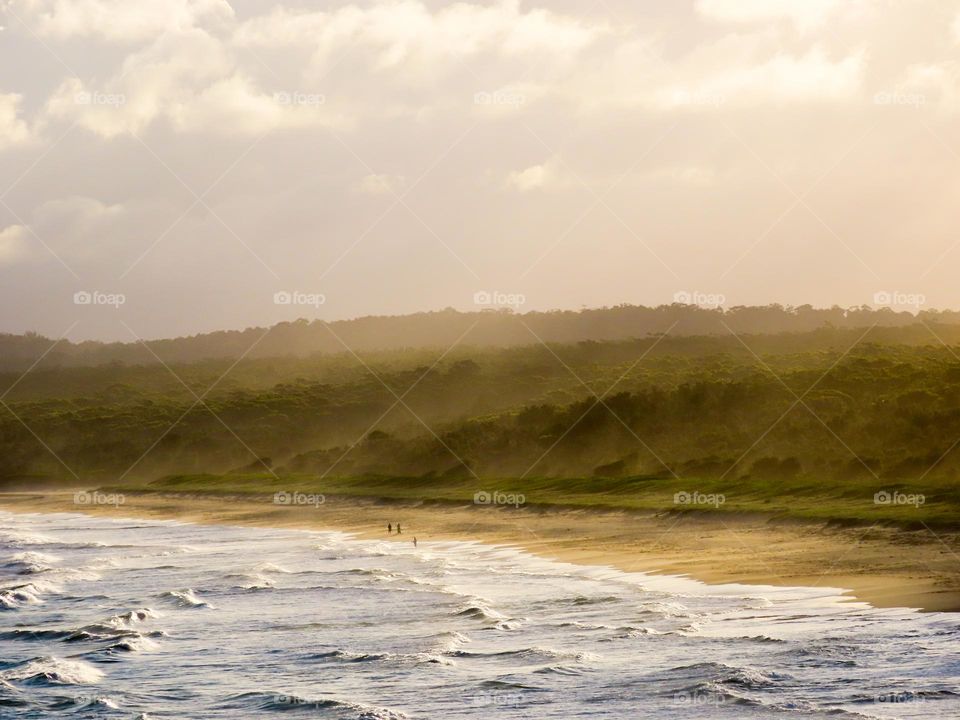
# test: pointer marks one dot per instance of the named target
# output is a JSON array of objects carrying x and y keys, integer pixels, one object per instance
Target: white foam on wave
[
  {"x": 134, "y": 644},
  {"x": 20, "y": 538},
  {"x": 133, "y": 617},
  {"x": 186, "y": 598},
  {"x": 257, "y": 581},
  {"x": 32, "y": 561},
  {"x": 481, "y": 611},
  {"x": 55, "y": 670},
  {"x": 18, "y": 596},
  {"x": 100, "y": 701},
  {"x": 450, "y": 640}
]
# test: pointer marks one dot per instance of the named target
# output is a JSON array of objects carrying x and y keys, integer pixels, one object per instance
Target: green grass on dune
[{"x": 851, "y": 502}]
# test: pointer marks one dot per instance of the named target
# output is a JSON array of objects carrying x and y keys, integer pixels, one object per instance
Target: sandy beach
[{"x": 886, "y": 567}]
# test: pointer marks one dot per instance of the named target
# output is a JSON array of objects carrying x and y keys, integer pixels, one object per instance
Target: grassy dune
[{"x": 849, "y": 503}]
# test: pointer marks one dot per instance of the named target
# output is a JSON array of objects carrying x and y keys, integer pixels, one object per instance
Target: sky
[{"x": 171, "y": 167}]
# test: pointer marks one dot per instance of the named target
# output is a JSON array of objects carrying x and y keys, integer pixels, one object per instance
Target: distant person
[
  {"x": 398, "y": 529},
  {"x": 414, "y": 541},
  {"x": 389, "y": 528}
]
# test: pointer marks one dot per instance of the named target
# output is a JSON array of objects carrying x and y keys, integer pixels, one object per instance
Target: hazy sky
[{"x": 196, "y": 157}]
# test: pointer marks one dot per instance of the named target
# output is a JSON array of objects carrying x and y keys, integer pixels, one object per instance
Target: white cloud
[
  {"x": 192, "y": 82},
  {"x": 785, "y": 78},
  {"x": 155, "y": 81},
  {"x": 118, "y": 20},
  {"x": 289, "y": 28},
  {"x": 804, "y": 14},
  {"x": 13, "y": 130},
  {"x": 235, "y": 105},
  {"x": 404, "y": 58},
  {"x": 406, "y": 35},
  {"x": 735, "y": 71},
  {"x": 13, "y": 244},
  {"x": 549, "y": 175},
  {"x": 450, "y": 89}
]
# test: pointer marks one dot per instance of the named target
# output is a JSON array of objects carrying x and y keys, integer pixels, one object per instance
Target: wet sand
[{"x": 886, "y": 567}]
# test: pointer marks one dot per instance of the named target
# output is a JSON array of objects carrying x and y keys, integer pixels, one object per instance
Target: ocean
[{"x": 130, "y": 618}]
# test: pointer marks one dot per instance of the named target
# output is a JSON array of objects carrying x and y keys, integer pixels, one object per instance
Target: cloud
[
  {"x": 457, "y": 94},
  {"x": 162, "y": 79},
  {"x": 408, "y": 36},
  {"x": 192, "y": 82},
  {"x": 13, "y": 244},
  {"x": 118, "y": 20},
  {"x": 811, "y": 77},
  {"x": 730, "y": 73},
  {"x": 13, "y": 130},
  {"x": 236, "y": 106},
  {"x": 207, "y": 73},
  {"x": 805, "y": 15},
  {"x": 549, "y": 175}
]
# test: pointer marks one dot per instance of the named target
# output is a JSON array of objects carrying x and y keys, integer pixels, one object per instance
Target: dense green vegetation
[
  {"x": 813, "y": 422},
  {"x": 847, "y": 503}
]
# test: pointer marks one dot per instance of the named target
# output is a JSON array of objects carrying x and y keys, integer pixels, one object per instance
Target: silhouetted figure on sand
[
  {"x": 389, "y": 528},
  {"x": 414, "y": 542},
  {"x": 399, "y": 531}
]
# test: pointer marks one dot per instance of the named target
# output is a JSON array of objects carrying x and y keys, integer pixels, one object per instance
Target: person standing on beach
[
  {"x": 414, "y": 541},
  {"x": 398, "y": 529},
  {"x": 389, "y": 528}
]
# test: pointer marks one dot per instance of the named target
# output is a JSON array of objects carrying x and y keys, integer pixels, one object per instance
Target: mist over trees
[
  {"x": 876, "y": 395},
  {"x": 501, "y": 328}
]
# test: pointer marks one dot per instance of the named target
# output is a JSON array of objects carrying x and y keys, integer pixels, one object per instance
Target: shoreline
[{"x": 885, "y": 567}]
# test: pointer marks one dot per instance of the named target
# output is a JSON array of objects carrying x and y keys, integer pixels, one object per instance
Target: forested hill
[{"x": 500, "y": 328}]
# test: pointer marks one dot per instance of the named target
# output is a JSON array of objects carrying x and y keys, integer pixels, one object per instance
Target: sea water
[{"x": 124, "y": 618}]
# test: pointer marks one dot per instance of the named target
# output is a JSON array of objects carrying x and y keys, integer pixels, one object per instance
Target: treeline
[
  {"x": 523, "y": 367},
  {"x": 828, "y": 404},
  {"x": 871, "y": 416},
  {"x": 477, "y": 329}
]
